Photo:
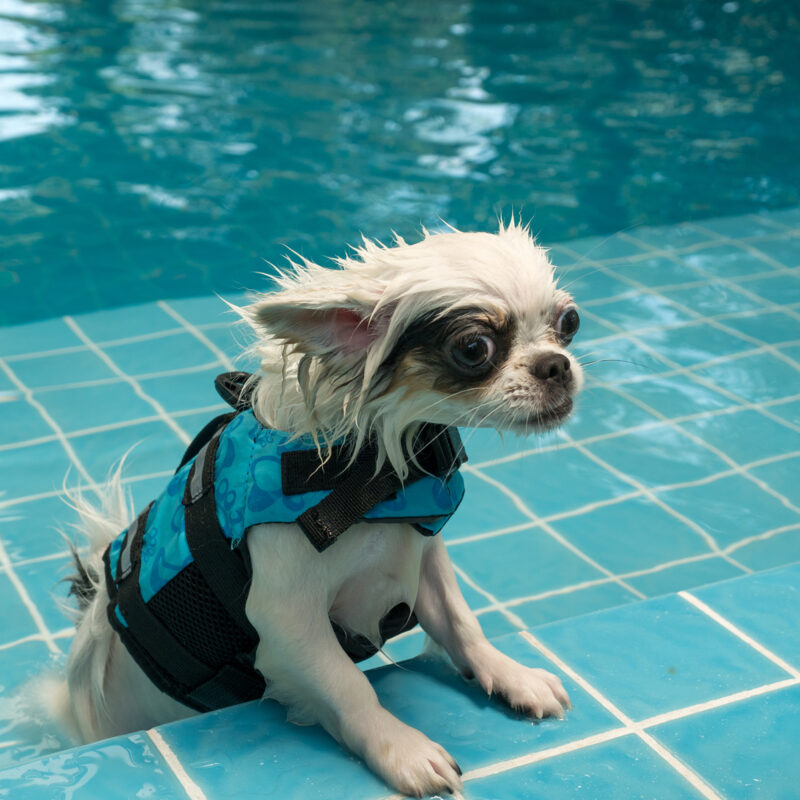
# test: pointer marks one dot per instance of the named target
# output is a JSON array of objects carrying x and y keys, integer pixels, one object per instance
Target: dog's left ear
[{"x": 321, "y": 326}]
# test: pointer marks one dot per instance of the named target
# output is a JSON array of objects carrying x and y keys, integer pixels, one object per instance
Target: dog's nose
[{"x": 551, "y": 367}]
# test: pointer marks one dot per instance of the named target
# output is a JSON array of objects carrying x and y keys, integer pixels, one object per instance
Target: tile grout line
[
  {"x": 197, "y": 333},
  {"x": 739, "y": 633},
  {"x": 36, "y": 615},
  {"x": 182, "y": 435},
  {"x": 549, "y": 530},
  {"x": 684, "y": 770},
  {"x": 193, "y": 791},
  {"x": 736, "y": 467}
]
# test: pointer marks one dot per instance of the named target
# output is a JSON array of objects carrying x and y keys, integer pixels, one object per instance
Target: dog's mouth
[{"x": 547, "y": 418}]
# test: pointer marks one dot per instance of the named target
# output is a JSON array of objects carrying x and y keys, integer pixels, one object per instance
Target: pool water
[{"x": 153, "y": 150}]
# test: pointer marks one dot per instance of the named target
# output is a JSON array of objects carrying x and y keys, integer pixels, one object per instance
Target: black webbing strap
[
  {"x": 356, "y": 488},
  {"x": 170, "y": 665},
  {"x": 222, "y": 566}
]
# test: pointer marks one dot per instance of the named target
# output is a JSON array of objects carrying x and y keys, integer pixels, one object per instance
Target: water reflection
[{"x": 186, "y": 141}]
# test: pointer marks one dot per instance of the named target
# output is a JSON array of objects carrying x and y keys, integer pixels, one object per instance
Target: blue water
[{"x": 161, "y": 149}]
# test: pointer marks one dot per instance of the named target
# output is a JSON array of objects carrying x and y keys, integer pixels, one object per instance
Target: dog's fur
[{"x": 388, "y": 340}]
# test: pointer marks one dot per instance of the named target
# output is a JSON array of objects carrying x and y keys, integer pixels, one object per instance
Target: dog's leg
[
  {"x": 307, "y": 670},
  {"x": 448, "y": 620}
]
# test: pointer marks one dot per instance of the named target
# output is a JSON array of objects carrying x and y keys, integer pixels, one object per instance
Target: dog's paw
[
  {"x": 535, "y": 692},
  {"x": 407, "y": 759}
]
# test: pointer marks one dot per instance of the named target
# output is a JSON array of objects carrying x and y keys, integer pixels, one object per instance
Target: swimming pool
[{"x": 155, "y": 149}]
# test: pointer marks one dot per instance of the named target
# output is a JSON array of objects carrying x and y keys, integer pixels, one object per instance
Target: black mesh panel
[{"x": 189, "y": 610}]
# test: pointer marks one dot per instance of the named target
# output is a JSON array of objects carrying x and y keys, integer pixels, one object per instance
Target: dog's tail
[{"x": 100, "y": 520}]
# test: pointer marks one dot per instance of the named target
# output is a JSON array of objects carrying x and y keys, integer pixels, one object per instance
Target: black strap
[
  {"x": 170, "y": 665},
  {"x": 437, "y": 451},
  {"x": 222, "y": 566},
  {"x": 233, "y": 388}
]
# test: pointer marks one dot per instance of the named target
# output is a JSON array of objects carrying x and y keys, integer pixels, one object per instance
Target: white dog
[{"x": 459, "y": 329}]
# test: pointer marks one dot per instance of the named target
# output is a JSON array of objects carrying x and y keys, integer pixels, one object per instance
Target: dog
[{"x": 457, "y": 329}]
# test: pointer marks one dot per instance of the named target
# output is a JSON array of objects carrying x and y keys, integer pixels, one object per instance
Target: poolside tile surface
[{"x": 679, "y": 469}]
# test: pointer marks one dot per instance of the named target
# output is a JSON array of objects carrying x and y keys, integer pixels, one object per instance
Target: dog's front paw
[
  {"x": 535, "y": 692},
  {"x": 404, "y": 757}
]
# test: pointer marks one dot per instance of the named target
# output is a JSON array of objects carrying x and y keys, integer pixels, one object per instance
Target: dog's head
[{"x": 466, "y": 329}]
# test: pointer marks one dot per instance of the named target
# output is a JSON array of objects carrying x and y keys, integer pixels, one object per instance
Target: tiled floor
[{"x": 679, "y": 469}]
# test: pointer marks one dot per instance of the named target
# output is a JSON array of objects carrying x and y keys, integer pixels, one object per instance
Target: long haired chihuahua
[{"x": 459, "y": 329}]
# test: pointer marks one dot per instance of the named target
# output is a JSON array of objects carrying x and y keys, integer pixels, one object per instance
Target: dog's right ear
[{"x": 320, "y": 320}]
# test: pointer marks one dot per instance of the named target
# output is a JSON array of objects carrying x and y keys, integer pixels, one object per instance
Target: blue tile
[
  {"x": 730, "y": 509},
  {"x": 295, "y": 762},
  {"x": 116, "y": 769},
  {"x": 773, "y": 327},
  {"x": 592, "y": 284},
  {"x": 629, "y": 536},
  {"x": 572, "y": 604},
  {"x": 783, "y": 548},
  {"x": 619, "y": 359},
  {"x": 33, "y": 469},
  {"x": 600, "y": 410},
  {"x": 677, "y": 396},
  {"x": 31, "y": 529},
  {"x": 765, "y": 606},
  {"x": 143, "y": 491},
  {"x": 183, "y": 392},
  {"x": 644, "y": 311},
  {"x": 21, "y": 718},
  {"x": 126, "y": 322},
  {"x": 658, "y": 456},
  {"x": 17, "y": 621},
  {"x": 495, "y": 624},
  {"x": 746, "y": 750},
  {"x": 592, "y": 327},
  {"x": 90, "y": 406},
  {"x": 532, "y": 562},
  {"x": 737, "y": 227},
  {"x": 558, "y": 480},
  {"x": 625, "y": 768},
  {"x": 153, "y": 446},
  {"x": 757, "y": 378},
  {"x": 785, "y": 250},
  {"x": 21, "y": 421},
  {"x": 788, "y": 411},
  {"x": 47, "y": 589},
  {"x": 685, "y": 576},
  {"x": 177, "y": 352},
  {"x": 670, "y": 237},
  {"x": 661, "y": 271},
  {"x": 234, "y": 340},
  {"x": 484, "y": 508},
  {"x": 782, "y": 476},
  {"x": 781, "y": 289},
  {"x": 484, "y": 444},
  {"x": 755, "y": 437},
  {"x": 57, "y": 370},
  {"x": 714, "y": 298},
  {"x": 37, "y": 337},
  {"x": 204, "y": 310},
  {"x": 724, "y": 260},
  {"x": 601, "y": 248},
  {"x": 693, "y": 344},
  {"x": 657, "y": 656}
]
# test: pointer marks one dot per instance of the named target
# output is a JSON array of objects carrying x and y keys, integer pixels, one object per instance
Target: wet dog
[{"x": 458, "y": 329}]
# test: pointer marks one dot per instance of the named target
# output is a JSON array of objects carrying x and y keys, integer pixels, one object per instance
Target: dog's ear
[{"x": 321, "y": 325}]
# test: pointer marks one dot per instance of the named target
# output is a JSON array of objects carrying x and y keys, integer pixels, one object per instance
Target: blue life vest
[{"x": 177, "y": 578}]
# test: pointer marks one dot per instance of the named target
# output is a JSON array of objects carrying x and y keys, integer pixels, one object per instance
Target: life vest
[{"x": 178, "y": 577}]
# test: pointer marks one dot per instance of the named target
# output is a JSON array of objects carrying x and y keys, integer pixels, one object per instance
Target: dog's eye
[
  {"x": 473, "y": 352},
  {"x": 567, "y": 325}
]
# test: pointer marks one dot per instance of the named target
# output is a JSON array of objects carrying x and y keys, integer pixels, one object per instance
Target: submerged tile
[
  {"x": 117, "y": 769},
  {"x": 747, "y": 750},
  {"x": 623, "y": 768},
  {"x": 653, "y": 657}
]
